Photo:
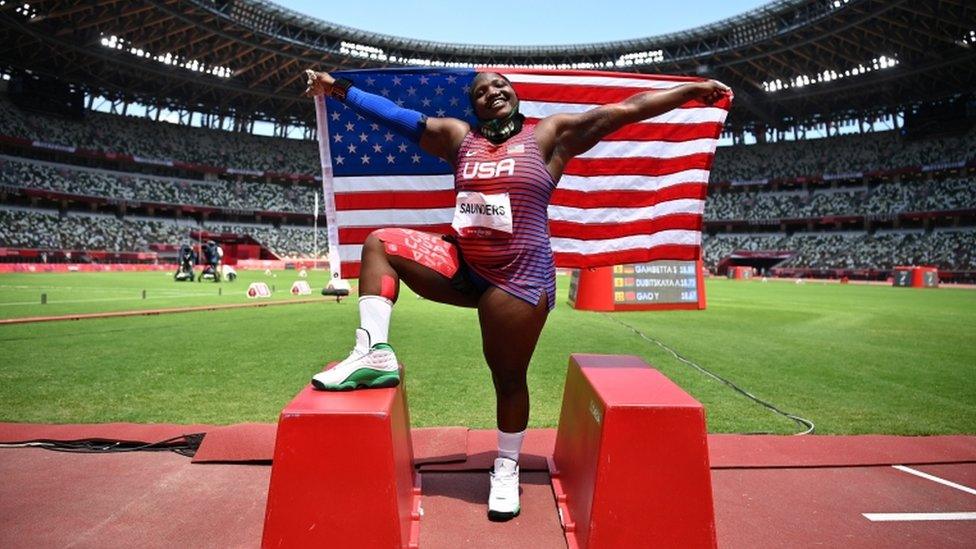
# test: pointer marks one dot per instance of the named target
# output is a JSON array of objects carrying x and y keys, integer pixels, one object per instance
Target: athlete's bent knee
[
  {"x": 372, "y": 244},
  {"x": 509, "y": 384}
]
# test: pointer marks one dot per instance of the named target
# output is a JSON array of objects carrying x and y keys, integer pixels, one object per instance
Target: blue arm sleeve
[{"x": 406, "y": 122}]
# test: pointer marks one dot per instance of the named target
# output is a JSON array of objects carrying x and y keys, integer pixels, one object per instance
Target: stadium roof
[{"x": 790, "y": 60}]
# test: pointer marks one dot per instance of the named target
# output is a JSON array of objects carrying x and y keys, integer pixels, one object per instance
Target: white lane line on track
[
  {"x": 896, "y": 517},
  {"x": 934, "y": 478},
  {"x": 893, "y": 517}
]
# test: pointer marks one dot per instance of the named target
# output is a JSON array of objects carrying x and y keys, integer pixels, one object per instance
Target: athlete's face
[{"x": 492, "y": 96}]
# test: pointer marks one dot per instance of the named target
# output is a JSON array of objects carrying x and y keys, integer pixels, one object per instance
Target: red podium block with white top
[
  {"x": 630, "y": 466},
  {"x": 343, "y": 472}
]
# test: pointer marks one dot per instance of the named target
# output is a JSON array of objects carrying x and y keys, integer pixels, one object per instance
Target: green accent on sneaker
[
  {"x": 363, "y": 377},
  {"x": 381, "y": 347}
]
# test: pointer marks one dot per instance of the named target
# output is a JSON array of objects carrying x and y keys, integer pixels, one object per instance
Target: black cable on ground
[
  {"x": 805, "y": 423},
  {"x": 185, "y": 445}
]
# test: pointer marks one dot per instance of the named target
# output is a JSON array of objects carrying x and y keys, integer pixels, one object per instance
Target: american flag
[{"x": 636, "y": 196}]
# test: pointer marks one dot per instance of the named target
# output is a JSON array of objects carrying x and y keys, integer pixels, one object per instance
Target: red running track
[{"x": 769, "y": 491}]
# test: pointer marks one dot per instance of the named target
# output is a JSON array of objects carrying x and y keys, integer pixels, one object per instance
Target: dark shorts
[{"x": 466, "y": 280}]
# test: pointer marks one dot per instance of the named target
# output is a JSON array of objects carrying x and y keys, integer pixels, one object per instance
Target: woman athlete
[{"x": 498, "y": 257}]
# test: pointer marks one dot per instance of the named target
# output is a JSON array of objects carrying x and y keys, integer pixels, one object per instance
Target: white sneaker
[
  {"x": 503, "y": 501},
  {"x": 366, "y": 366}
]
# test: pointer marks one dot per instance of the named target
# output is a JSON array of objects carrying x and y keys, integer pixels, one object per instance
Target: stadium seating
[
  {"x": 814, "y": 179},
  {"x": 31, "y": 228},
  {"x": 242, "y": 195},
  {"x": 948, "y": 249},
  {"x": 909, "y": 195},
  {"x": 836, "y": 155},
  {"x": 161, "y": 140}
]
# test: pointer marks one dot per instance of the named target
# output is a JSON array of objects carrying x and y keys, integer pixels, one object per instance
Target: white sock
[
  {"x": 510, "y": 444},
  {"x": 374, "y": 317}
]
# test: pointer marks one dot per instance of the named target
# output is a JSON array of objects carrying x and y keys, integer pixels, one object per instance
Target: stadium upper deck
[{"x": 791, "y": 62}]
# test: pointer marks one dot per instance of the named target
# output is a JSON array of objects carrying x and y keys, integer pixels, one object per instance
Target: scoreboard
[
  {"x": 657, "y": 282},
  {"x": 639, "y": 286}
]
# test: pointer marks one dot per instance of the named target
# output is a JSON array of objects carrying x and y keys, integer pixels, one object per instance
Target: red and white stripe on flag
[{"x": 636, "y": 196}]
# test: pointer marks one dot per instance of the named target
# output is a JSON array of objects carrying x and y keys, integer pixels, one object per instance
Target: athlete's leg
[
  {"x": 510, "y": 328},
  {"x": 425, "y": 262},
  {"x": 422, "y": 260}
]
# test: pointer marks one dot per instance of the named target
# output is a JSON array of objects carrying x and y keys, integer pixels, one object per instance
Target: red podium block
[
  {"x": 652, "y": 286},
  {"x": 630, "y": 466},
  {"x": 739, "y": 272},
  {"x": 343, "y": 472},
  {"x": 916, "y": 277}
]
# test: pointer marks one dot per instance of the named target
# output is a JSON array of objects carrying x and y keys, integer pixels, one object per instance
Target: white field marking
[
  {"x": 88, "y": 288},
  {"x": 934, "y": 478},
  {"x": 58, "y": 287},
  {"x": 891, "y": 517},
  {"x": 60, "y": 302}
]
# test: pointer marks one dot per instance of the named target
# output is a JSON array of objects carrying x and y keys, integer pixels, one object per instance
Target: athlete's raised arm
[
  {"x": 563, "y": 136},
  {"x": 440, "y": 137}
]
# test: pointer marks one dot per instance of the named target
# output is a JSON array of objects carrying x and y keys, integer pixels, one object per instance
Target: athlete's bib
[{"x": 483, "y": 215}]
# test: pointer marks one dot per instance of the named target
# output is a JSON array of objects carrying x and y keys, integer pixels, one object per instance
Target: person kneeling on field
[
  {"x": 213, "y": 253},
  {"x": 186, "y": 259}
]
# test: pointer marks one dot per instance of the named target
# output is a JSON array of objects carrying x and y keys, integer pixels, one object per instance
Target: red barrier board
[
  {"x": 630, "y": 466},
  {"x": 656, "y": 285},
  {"x": 915, "y": 276},
  {"x": 82, "y": 267},
  {"x": 925, "y": 277},
  {"x": 740, "y": 272},
  {"x": 343, "y": 472}
]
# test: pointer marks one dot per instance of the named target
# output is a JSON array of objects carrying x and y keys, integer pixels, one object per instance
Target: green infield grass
[
  {"x": 850, "y": 358},
  {"x": 72, "y": 293}
]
